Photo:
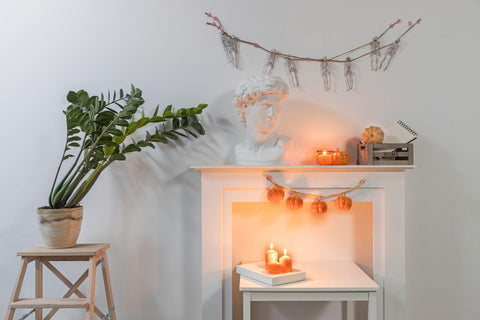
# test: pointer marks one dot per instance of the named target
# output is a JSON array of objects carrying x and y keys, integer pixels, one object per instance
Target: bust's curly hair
[{"x": 254, "y": 88}]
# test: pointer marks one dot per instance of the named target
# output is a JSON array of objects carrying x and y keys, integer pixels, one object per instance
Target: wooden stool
[{"x": 95, "y": 254}]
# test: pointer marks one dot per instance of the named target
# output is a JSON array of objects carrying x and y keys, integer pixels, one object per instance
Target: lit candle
[
  {"x": 324, "y": 158},
  {"x": 286, "y": 262},
  {"x": 274, "y": 267},
  {"x": 271, "y": 255}
]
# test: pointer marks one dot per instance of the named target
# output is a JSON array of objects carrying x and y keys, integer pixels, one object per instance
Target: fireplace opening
[{"x": 334, "y": 236}]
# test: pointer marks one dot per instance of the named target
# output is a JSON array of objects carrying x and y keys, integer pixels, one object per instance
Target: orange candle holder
[
  {"x": 324, "y": 158},
  {"x": 340, "y": 158}
]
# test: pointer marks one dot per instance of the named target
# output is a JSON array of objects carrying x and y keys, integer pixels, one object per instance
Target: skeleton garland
[{"x": 231, "y": 46}]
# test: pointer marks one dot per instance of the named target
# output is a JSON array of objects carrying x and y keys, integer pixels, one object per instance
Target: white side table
[{"x": 326, "y": 281}]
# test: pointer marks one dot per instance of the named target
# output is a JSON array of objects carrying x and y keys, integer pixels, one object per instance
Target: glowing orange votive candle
[
  {"x": 286, "y": 262},
  {"x": 274, "y": 267},
  {"x": 271, "y": 255},
  {"x": 325, "y": 158}
]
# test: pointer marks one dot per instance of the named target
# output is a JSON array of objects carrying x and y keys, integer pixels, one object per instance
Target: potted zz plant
[{"x": 97, "y": 129}]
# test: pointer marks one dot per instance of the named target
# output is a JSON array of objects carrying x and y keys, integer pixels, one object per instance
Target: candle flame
[
  {"x": 285, "y": 251},
  {"x": 271, "y": 246},
  {"x": 324, "y": 152}
]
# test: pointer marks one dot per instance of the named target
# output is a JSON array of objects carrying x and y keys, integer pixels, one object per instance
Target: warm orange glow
[
  {"x": 324, "y": 158},
  {"x": 286, "y": 262},
  {"x": 271, "y": 255}
]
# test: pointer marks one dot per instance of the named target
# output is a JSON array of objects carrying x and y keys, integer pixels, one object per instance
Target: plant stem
[
  {"x": 50, "y": 196},
  {"x": 87, "y": 185}
]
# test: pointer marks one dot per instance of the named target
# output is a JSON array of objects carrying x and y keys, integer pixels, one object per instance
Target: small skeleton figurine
[
  {"x": 292, "y": 72},
  {"x": 374, "y": 54},
  {"x": 391, "y": 50},
  {"x": 348, "y": 74},
  {"x": 269, "y": 63},
  {"x": 230, "y": 44},
  {"x": 326, "y": 74}
]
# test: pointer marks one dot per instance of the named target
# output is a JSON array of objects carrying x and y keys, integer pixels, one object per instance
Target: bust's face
[{"x": 264, "y": 115}]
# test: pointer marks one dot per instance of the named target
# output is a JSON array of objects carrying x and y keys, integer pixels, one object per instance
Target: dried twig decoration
[
  {"x": 348, "y": 74},
  {"x": 270, "y": 62},
  {"x": 327, "y": 84},
  {"x": 292, "y": 73}
]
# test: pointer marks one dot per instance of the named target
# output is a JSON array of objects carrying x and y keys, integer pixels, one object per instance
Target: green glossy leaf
[
  {"x": 115, "y": 132},
  {"x": 199, "y": 128},
  {"x": 68, "y": 156},
  {"x": 74, "y": 138},
  {"x": 175, "y": 123},
  {"x": 131, "y": 147},
  {"x": 157, "y": 119},
  {"x": 170, "y": 135},
  {"x": 111, "y": 144},
  {"x": 131, "y": 128},
  {"x": 121, "y": 122},
  {"x": 118, "y": 156},
  {"x": 158, "y": 138},
  {"x": 74, "y": 144},
  {"x": 143, "y": 121},
  {"x": 72, "y": 97}
]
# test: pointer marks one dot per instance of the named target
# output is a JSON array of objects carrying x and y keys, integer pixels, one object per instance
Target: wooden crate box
[{"x": 385, "y": 154}]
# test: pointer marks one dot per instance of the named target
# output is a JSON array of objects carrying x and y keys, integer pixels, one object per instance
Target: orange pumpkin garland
[
  {"x": 343, "y": 203},
  {"x": 318, "y": 206},
  {"x": 294, "y": 202},
  {"x": 275, "y": 194}
]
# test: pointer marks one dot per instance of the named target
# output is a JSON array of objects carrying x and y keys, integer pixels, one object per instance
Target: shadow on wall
[
  {"x": 315, "y": 127},
  {"x": 158, "y": 223}
]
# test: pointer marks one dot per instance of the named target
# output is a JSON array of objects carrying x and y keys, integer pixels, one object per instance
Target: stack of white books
[{"x": 256, "y": 271}]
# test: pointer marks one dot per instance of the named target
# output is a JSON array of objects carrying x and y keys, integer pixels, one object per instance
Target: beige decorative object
[
  {"x": 60, "y": 228},
  {"x": 373, "y": 134}
]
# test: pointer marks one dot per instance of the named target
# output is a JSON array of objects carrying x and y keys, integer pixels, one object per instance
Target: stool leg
[
  {"x": 246, "y": 305},
  {"x": 92, "y": 266},
  {"x": 17, "y": 287},
  {"x": 372, "y": 306},
  {"x": 350, "y": 308},
  {"x": 108, "y": 287},
  {"x": 38, "y": 287}
]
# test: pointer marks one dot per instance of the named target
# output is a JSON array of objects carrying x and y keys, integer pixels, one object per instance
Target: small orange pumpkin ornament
[
  {"x": 343, "y": 203},
  {"x": 373, "y": 134},
  {"x": 318, "y": 206},
  {"x": 294, "y": 202},
  {"x": 275, "y": 194}
]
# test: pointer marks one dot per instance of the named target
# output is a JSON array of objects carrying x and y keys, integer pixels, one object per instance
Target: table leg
[
  {"x": 350, "y": 310},
  {"x": 372, "y": 306},
  {"x": 38, "y": 287},
  {"x": 246, "y": 305}
]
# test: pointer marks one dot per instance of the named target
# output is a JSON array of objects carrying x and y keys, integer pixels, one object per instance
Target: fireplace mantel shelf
[{"x": 348, "y": 168}]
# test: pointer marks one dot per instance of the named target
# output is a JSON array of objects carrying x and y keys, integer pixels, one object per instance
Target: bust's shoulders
[{"x": 283, "y": 140}]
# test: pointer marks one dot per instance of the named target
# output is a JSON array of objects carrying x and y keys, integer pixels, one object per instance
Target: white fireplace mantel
[{"x": 221, "y": 185}]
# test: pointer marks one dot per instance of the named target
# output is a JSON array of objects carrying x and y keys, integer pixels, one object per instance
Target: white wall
[{"x": 149, "y": 207}]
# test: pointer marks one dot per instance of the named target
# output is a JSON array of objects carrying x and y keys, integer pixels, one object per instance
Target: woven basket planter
[{"x": 60, "y": 228}]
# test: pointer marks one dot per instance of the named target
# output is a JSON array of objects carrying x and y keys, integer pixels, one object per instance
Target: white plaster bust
[{"x": 258, "y": 100}]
